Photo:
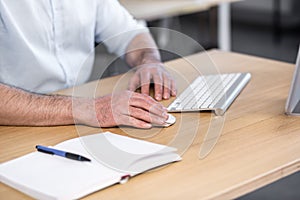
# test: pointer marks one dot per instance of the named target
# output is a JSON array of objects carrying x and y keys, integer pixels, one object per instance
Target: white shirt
[{"x": 44, "y": 44}]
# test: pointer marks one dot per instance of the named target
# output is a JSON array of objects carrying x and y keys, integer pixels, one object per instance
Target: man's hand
[
  {"x": 19, "y": 107},
  {"x": 164, "y": 84},
  {"x": 143, "y": 54},
  {"x": 125, "y": 108}
]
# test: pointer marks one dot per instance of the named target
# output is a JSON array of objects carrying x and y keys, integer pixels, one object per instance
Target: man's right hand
[
  {"x": 124, "y": 108},
  {"x": 19, "y": 107}
]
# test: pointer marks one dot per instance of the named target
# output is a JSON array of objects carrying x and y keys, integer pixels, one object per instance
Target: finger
[
  {"x": 173, "y": 88},
  {"x": 157, "y": 110},
  {"x": 145, "y": 82},
  {"x": 157, "y": 87},
  {"x": 134, "y": 82},
  {"x": 167, "y": 87},
  {"x": 149, "y": 104},
  {"x": 131, "y": 121},
  {"x": 146, "y": 116}
]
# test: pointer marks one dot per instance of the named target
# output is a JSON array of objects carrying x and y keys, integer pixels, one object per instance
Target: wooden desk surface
[
  {"x": 157, "y": 9},
  {"x": 258, "y": 144}
]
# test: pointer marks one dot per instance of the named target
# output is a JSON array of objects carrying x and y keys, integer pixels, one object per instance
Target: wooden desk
[
  {"x": 258, "y": 145},
  {"x": 159, "y": 9}
]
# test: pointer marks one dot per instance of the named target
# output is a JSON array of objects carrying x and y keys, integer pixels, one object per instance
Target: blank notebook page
[{"x": 45, "y": 176}]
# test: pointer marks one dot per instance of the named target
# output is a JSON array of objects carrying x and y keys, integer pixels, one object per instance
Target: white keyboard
[{"x": 211, "y": 93}]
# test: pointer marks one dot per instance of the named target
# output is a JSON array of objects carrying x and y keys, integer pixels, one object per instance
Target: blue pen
[{"x": 69, "y": 155}]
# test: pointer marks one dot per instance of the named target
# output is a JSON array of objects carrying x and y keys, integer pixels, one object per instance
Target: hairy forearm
[
  {"x": 142, "y": 50},
  {"x": 18, "y": 107}
]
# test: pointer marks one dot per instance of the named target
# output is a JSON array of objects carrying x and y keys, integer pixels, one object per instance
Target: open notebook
[{"x": 113, "y": 158}]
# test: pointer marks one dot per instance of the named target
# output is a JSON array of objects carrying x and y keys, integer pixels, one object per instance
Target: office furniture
[
  {"x": 277, "y": 20},
  {"x": 159, "y": 9},
  {"x": 257, "y": 144}
]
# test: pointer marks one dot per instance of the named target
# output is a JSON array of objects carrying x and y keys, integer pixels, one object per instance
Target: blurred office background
[{"x": 265, "y": 28}]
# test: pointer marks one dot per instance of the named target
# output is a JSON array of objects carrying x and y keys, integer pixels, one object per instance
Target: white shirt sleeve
[{"x": 115, "y": 27}]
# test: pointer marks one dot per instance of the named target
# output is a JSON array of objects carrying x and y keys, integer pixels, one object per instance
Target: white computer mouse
[{"x": 170, "y": 121}]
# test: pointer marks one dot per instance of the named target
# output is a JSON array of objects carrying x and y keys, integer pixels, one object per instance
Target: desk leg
[
  {"x": 164, "y": 35},
  {"x": 277, "y": 20},
  {"x": 224, "y": 27}
]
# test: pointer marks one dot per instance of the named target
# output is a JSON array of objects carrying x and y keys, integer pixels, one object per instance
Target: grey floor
[
  {"x": 248, "y": 37},
  {"x": 284, "y": 189},
  {"x": 260, "y": 41}
]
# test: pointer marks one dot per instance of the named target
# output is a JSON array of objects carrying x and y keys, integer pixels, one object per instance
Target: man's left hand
[{"x": 164, "y": 84}]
